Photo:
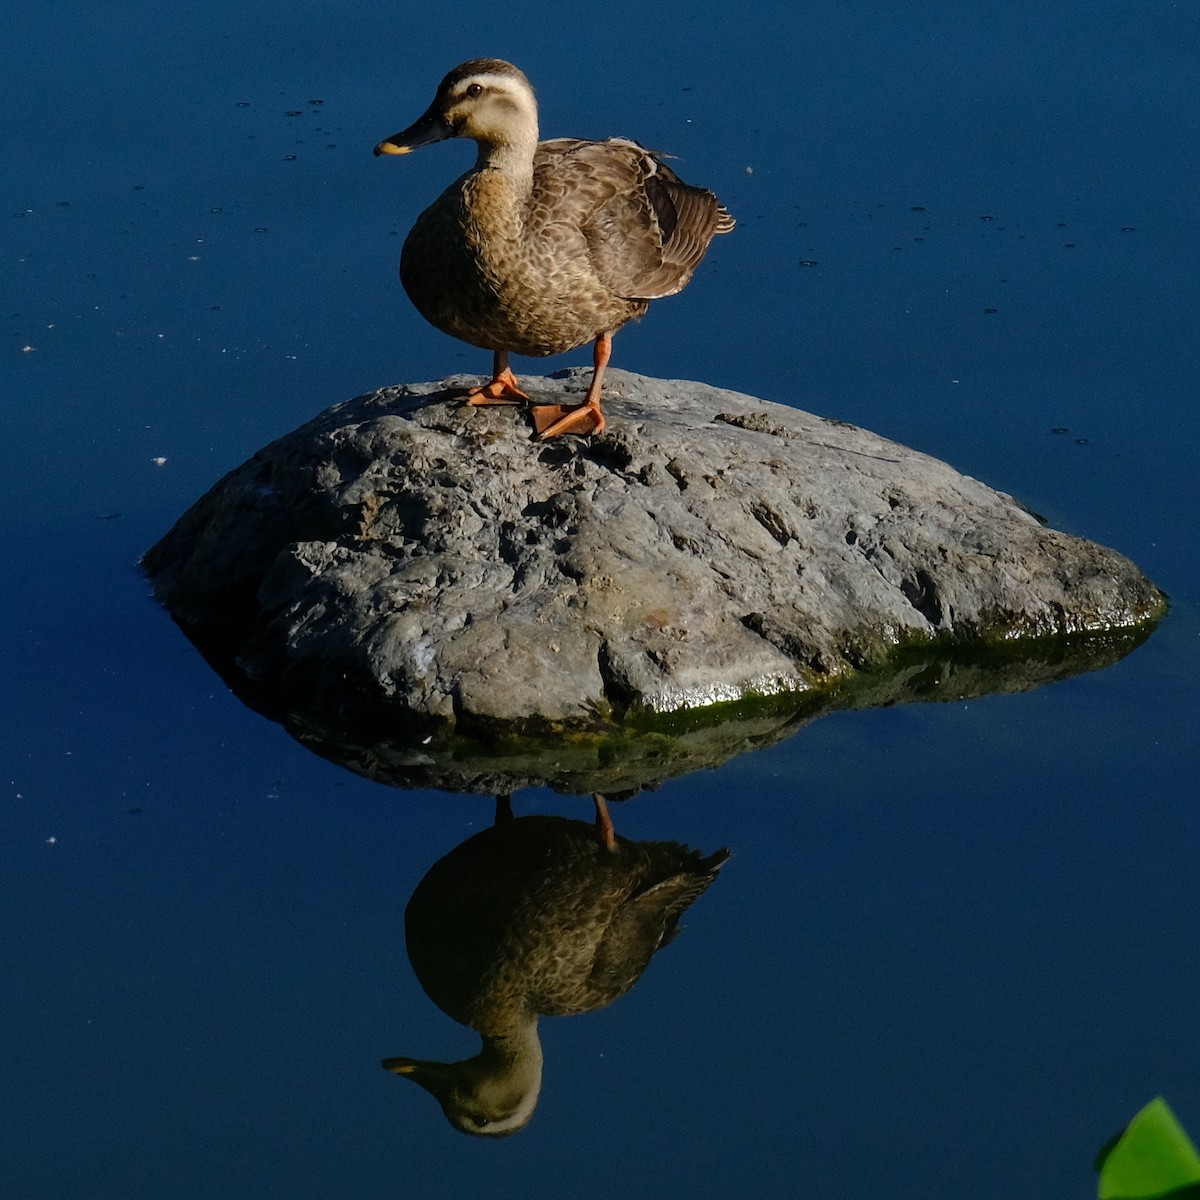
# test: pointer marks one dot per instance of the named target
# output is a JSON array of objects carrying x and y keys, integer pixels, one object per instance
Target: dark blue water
[{"x": 956, "y": 945}]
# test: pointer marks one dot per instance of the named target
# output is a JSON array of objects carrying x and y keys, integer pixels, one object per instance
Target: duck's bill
[
  {"x": 434, "y": 1077},
  {"x": 428, "y": 129},
  {"x": 402, "y": 1066}
]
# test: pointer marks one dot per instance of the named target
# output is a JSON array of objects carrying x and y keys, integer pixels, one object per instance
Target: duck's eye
[{"x": 474, "y": 89}]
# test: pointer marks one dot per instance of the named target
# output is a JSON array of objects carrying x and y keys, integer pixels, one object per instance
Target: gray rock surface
[{"x": 405, "y": 553}]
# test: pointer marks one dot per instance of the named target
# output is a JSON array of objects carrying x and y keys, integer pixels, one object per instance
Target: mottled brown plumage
[{"x": 543, "y": 246}]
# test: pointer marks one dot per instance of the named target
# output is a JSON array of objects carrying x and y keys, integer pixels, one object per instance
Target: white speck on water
[{"x": 159, "y": 462}]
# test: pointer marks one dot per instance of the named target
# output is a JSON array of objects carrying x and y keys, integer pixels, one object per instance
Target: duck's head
[
  {"x": 486, "y": 99},
  {"x": 491, "y": 1095}
]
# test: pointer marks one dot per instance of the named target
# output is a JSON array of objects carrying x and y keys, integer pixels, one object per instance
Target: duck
[
  {"x": 536, "y": 916},
  {"x": 543, "y": 246}
]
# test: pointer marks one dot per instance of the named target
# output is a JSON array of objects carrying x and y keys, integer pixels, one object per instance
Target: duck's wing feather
[
  {"x": 645, "y": 229},
  {"x": 674, "y": 876}
]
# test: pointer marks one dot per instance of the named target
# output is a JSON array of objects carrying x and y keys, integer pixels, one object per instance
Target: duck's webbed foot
[
  {"x": 502, "y": 388},
  {"x": 553, "y": 420}
]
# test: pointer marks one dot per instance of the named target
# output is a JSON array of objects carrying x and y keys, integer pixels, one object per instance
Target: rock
[{"x": 406, "y": 555}]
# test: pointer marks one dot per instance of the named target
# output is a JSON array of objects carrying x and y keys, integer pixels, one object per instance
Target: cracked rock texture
[{"x": 405, "y": 552}]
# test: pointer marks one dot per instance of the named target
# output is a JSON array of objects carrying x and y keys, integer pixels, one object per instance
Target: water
[{"x": 955, "y": 946}]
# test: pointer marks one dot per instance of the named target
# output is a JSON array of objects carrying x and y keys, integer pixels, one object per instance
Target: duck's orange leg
[
  {"x": 553, "y": 420},
  {"x": 503, "y": 387},
  {"x": 604, "y": 825}
]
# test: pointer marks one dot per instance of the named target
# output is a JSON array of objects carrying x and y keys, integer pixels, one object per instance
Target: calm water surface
[{"x": 954, "y": 948}]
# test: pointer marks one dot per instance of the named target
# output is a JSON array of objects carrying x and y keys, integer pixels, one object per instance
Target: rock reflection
[
  {"x": 536, "y": 916},
  {"x": 640, "y": 754}
]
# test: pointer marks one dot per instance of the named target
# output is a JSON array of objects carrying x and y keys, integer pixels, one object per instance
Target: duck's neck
[
  {"x": 517, "y": 1050},
  {"x": 512, "y": 158},
  {"x": 497, "y": 193}
]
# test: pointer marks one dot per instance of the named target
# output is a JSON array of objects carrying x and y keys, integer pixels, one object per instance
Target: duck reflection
[{"x": 536, "y": 916}]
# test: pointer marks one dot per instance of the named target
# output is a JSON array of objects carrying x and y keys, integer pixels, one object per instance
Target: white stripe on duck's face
[{"x": 495, "y": 109}]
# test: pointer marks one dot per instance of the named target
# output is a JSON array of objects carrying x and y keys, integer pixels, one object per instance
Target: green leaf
[{"x": 1153, "y": 1157}]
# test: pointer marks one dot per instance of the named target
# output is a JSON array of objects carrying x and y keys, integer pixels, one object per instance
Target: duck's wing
[
  {"x": 644, "y": 228},
  {"x": 673, "y": 877}
]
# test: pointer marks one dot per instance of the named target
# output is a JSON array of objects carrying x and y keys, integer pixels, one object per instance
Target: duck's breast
[{"x": 511, "y": 271}]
